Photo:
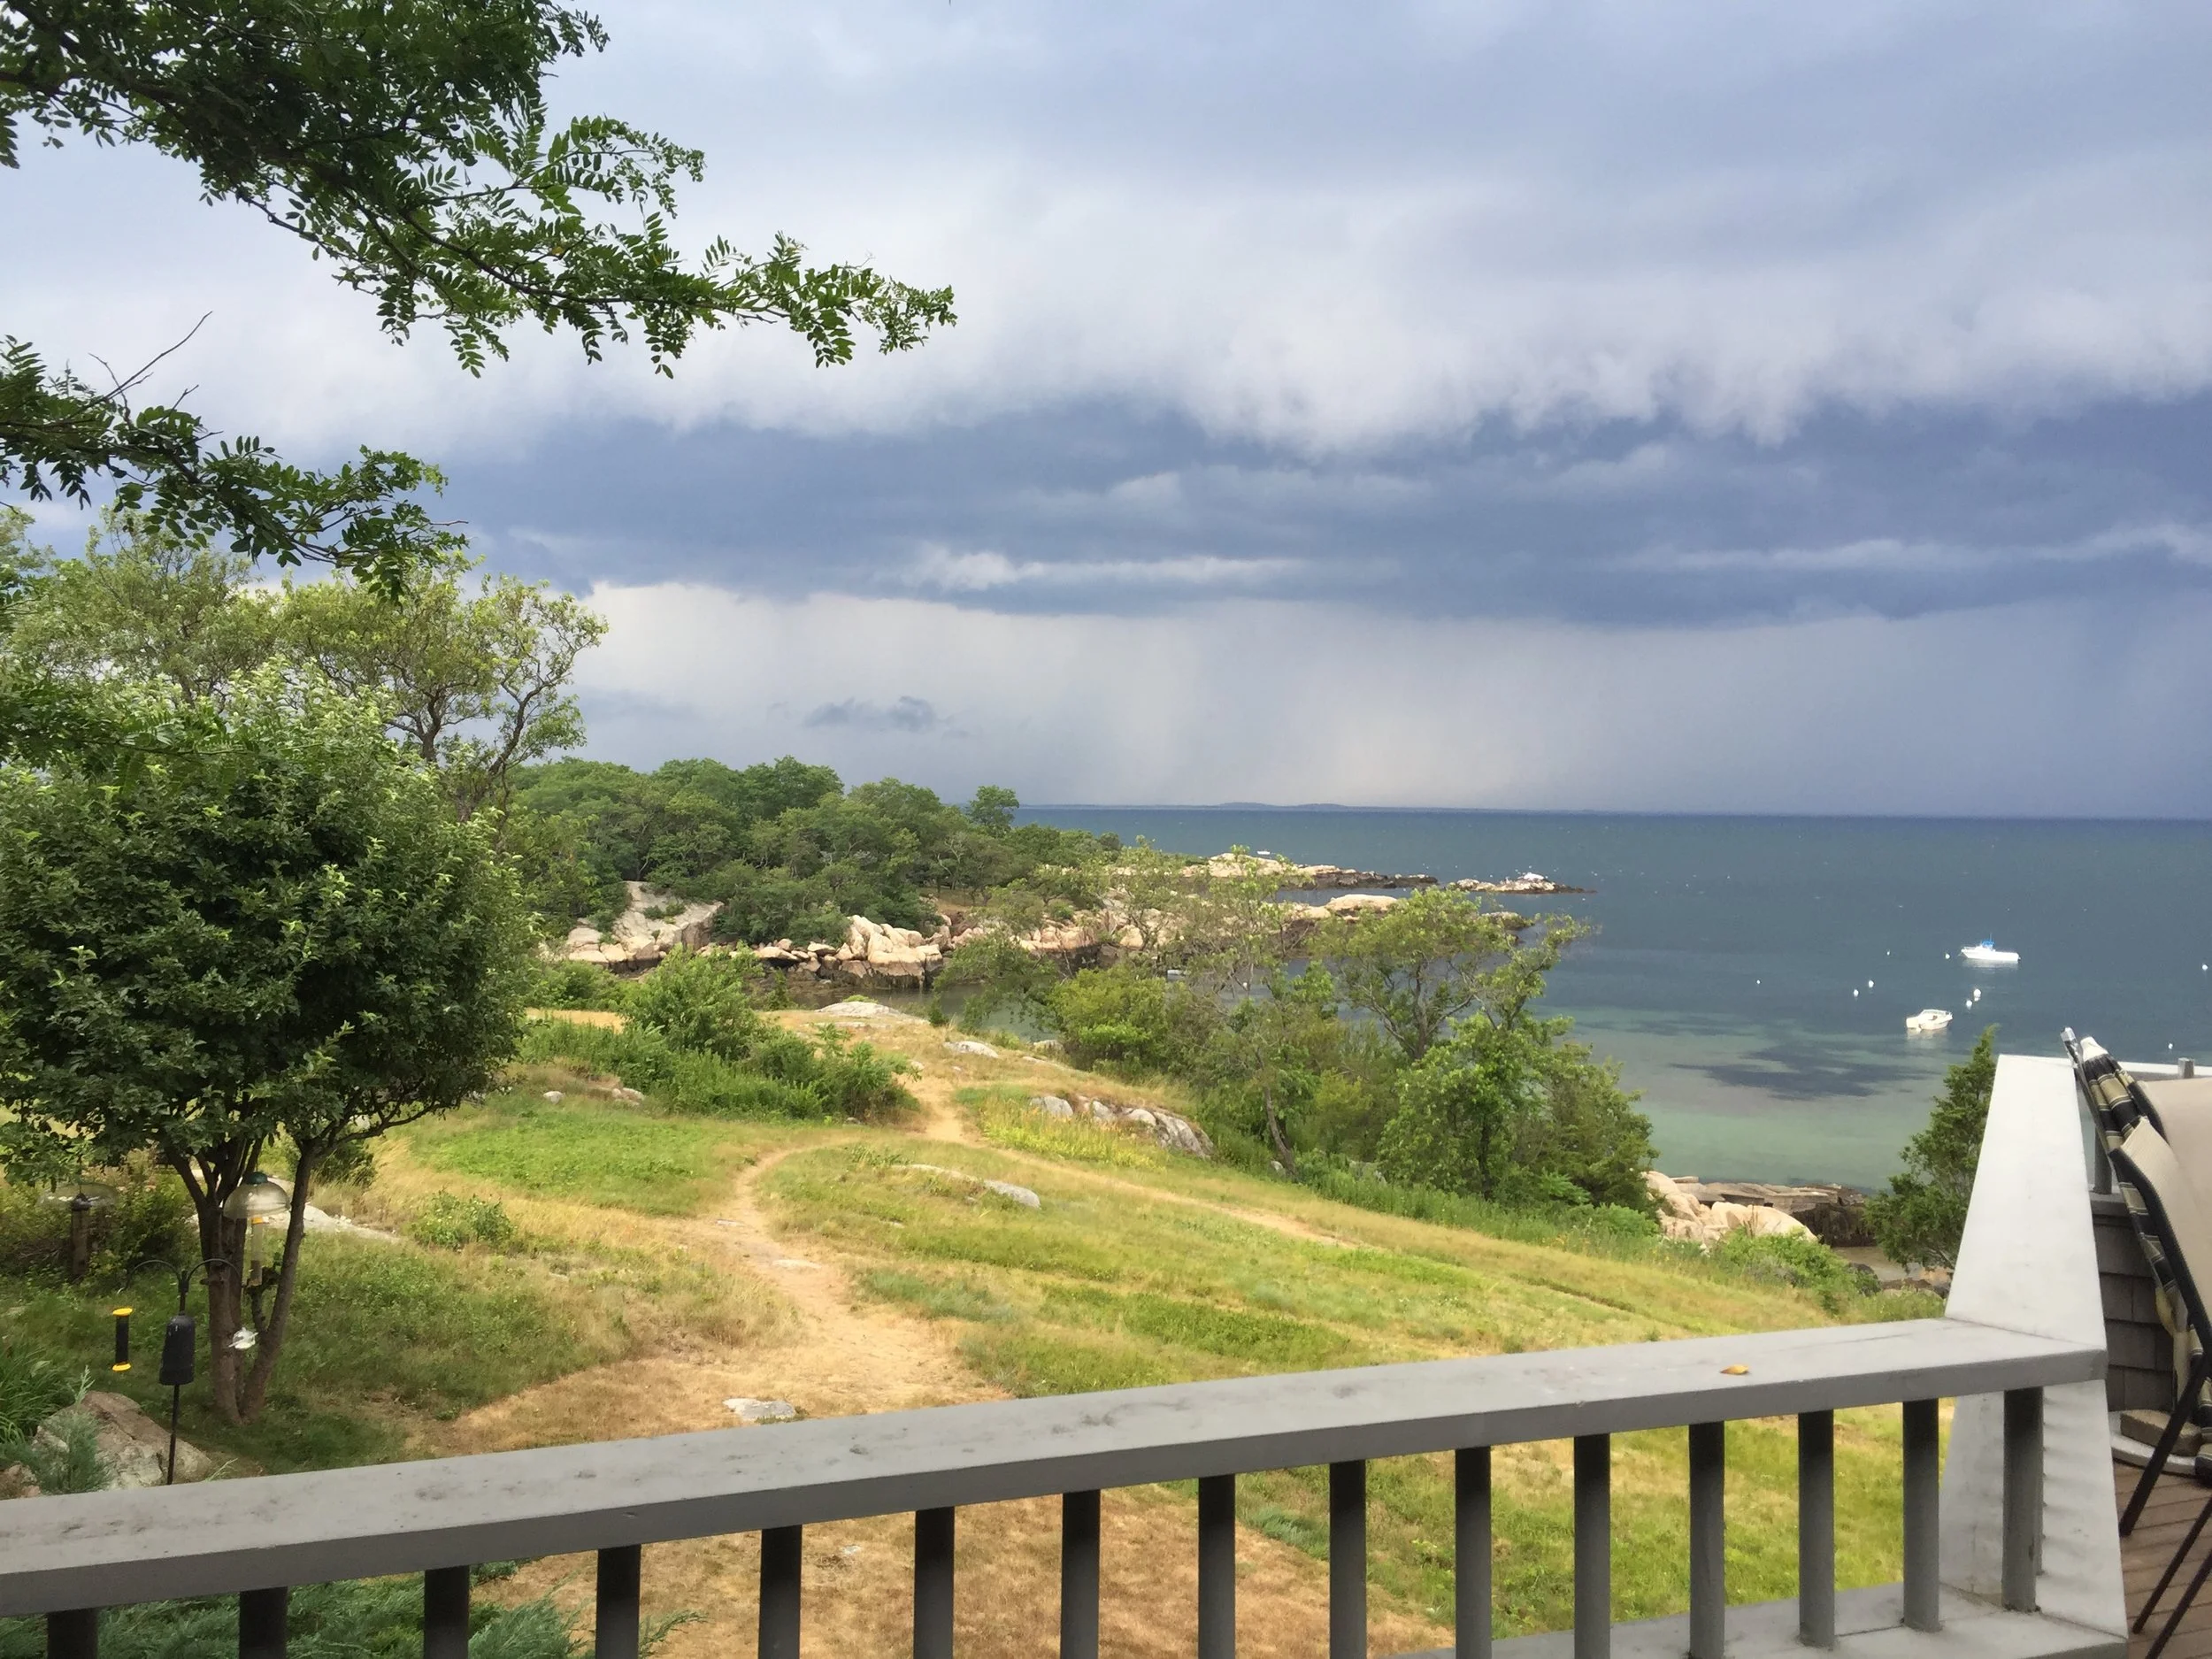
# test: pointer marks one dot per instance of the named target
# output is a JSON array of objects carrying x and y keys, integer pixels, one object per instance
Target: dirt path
[{"x": 839, "y": 1354}]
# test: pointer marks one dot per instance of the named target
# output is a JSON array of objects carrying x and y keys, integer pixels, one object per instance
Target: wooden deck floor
[{"x": 2174, "y": 1504}]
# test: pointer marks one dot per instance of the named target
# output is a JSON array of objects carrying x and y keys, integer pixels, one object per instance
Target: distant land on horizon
[{"x": 1596, "y": 812}]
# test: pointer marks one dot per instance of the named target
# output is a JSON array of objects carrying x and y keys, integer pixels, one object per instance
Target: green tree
[
  {"x": 475, "y": 683},
  {"x": 1923, "y": 1215},
  {"x": 1418, "y": 966},
  {"x": 410, "y": 148},
  {"x": 283, "y": 935},
  {"x": 993, "y": 808},
  {"x": 143, "y": 603},
  {"x": 1461, "y": 1110},
  {"x": 1589, "y": 1132},
  {"x": 1278, "y": 1045}
]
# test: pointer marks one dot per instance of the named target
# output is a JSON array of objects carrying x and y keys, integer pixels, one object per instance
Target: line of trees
[{"x": 786, "y": 849}]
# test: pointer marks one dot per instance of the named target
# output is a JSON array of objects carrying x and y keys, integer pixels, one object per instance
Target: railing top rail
[{"x": 102, "y": 1549}]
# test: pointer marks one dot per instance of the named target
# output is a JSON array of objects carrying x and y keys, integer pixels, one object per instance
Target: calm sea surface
[{"x": 1729, "y": 951}]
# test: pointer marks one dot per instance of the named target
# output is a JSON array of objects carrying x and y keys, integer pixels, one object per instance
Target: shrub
[
  {"x": 149, "y": 1218},
  {"x": 1805, "y": 1263},
  {"x": 857, "y": 1079},
  {"x": 451, "y": 1222},
  {"x": 781, "y": 1074},
  {"x": 66, "y": 1458},
  {"x": 699, "y": 1004},
  {"x": 701, "y": 1083},
  {"x": 577, "y": 985}
]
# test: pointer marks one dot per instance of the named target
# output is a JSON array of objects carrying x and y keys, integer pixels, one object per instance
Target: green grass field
[
  {"x": 1109, "y": 1286},
  {"x": 594, "y": 1152}
]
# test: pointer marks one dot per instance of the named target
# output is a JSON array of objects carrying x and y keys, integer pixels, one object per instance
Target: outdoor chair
[
  {"x": 2181, "y": 1222},
  {"x": 2117, "y": 1104}
]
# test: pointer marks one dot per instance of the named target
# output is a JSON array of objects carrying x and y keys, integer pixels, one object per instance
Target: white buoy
[
  {"x": 1870, "y": 985},
  {"x": 1855, "y": 993}
]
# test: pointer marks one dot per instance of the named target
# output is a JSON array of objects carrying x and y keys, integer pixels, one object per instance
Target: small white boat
[
  {"x": 1928, "y": 1021},
  {"x": 1987, "y": 951}
]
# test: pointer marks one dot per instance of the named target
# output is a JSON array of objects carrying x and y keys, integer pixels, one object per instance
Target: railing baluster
[
  {"x": 1594, "y": 1547},
  {"x": 1708, "y": 1540},
  {"x": 1079, "y": 1576},
  {"x": 1347, "y": 1561},
  {"x": 75, "y": 1635},
  {"x": 1470, "y": 1552},
  {"x": 445, "y": 1613},
  {"x": 1218, "y": 1567},
  {"x": 1816, "y": 1528},
  {"x": 2023, "y": 1496},
  {"x": 615, "y": 1607},
  {"x": 263, "y": 1616},
  {"x": 933, "y": 1583},
  {"x": 780, "y": 1592},
  {"x": 1923, "y": 1485}
]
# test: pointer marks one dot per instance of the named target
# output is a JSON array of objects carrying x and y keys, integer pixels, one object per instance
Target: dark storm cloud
[
  {"x": 1652, "y": 523},
  {"x": 908, "y": 714}
]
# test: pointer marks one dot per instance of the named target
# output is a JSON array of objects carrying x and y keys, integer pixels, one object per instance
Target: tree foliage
[
  {"x": 788, "y": 850},
  {"x": 284, "y": 935},
  {"x": 410, "y": 148},
  {"x": 476, "y": 683},
  {"x": 1461, "y": 1110},
  {"x": 1920, "y": 1219},
  {"x": 472, "y": 677},
  {"x": 1418, "y": 967}
]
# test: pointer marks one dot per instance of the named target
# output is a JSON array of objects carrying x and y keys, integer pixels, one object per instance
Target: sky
[{"x": 1653, "y": 406}]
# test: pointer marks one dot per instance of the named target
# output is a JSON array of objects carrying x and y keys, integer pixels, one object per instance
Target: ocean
[{"x": 1752, "y": 974}]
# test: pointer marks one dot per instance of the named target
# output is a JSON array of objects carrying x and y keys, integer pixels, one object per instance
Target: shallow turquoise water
[{"x": 1729, "y": 949}]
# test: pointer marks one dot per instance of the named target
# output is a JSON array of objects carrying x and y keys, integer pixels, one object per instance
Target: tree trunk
[
  {"x": 1275, "y": 1131},
  {"x": 222, "y": 1243},
  {"x": 253, "y": 1388}
]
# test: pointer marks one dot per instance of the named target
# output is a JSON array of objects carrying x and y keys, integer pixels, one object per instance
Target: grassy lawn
[
  {"x": 591, "y": 1151},
  {"x": 382, "y": 1336},
  {"x": 389, "y": 1338},
  {"x": 1112, "y": 1285}
]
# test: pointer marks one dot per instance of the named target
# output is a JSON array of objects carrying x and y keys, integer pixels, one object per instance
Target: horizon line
[{"x": 1651, "y": 812}]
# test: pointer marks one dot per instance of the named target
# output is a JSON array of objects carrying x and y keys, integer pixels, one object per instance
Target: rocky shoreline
[
  {"x": 875, "y": 955},
  {"x": 1689, "y": 1208}
]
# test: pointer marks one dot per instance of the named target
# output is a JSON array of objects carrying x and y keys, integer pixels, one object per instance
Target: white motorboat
[
  {"x": 1987, "y": 951},
  {"x": 1928, "y": 1021}
]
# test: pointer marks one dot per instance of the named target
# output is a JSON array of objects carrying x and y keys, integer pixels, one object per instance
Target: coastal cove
[{"x": 1729, "y": 948}]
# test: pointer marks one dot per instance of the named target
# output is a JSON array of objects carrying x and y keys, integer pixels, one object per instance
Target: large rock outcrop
[
  {"x": 653, "y": 924},
  {"x": 1683, "y": 1216},
  {"x": 874, "y": 955},
  {"x": 1834, "y": 1215}
]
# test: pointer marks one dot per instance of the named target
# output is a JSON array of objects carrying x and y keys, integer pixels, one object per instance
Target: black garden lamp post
[{"x": 180, "y": 1343}]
